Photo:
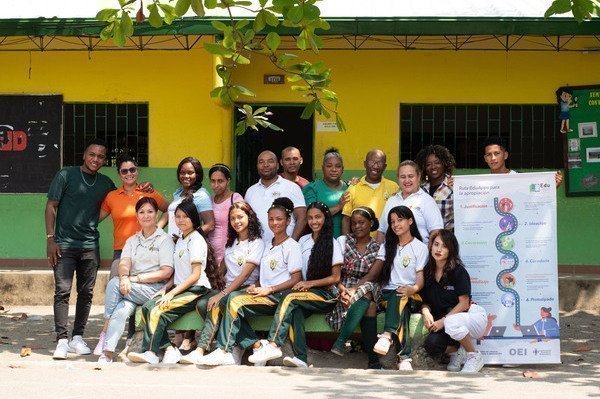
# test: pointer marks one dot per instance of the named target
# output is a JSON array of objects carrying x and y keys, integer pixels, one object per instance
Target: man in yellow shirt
[{"x": 372, "y": 190}]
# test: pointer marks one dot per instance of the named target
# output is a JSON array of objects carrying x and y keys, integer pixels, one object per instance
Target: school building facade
[{"x": 402, "y": 83}]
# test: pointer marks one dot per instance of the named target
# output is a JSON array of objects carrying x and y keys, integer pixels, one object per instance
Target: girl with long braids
[
  {"x": 358, "y": 302},
  {"x": 195, "y": 272},
  {"x": 280, "y": 270},
  {"x": 399, "y": 271},
  {"x": 243, "y": 252},
  {"x": 452, "y": 320},
  {"x": 321, "y": 270}
]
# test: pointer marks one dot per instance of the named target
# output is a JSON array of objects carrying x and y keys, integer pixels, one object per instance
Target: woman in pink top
[{"x": 220, "y": 177}]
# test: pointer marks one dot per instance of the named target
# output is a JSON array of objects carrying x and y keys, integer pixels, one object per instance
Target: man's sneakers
[
  {"x": 62, "y": 348},
  {"x": 457, "y": 359},
  {"x": 146, "y": 357},
  {"x": 193, "y": 357},
  {"x": 171, "y": 356},
  {"x": 473, "y": 364},
  {"x": 218, "y": 357},
  {"x": 294, "y": 362},
  {"x": 78, "y": 345},
  {"x": 264, "y": 354},
  {"x": 405, "y": 364}
]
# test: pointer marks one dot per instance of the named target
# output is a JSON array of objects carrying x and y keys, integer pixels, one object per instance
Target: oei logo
[{"x": 537, "y": 187}]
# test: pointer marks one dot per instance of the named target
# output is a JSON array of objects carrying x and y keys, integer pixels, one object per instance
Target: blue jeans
[
  {"x": 118, "y": 308},
  {"x": 82, "y": 263}
]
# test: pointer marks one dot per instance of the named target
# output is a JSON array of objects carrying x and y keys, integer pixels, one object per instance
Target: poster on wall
[
  {"x": 580, "y": 117},
  {"x": 30, "y": 131},
  {"x": 506, "y": 228}
]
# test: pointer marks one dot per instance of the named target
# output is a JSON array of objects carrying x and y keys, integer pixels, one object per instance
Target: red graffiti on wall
[{"x": 13, "y": 140}]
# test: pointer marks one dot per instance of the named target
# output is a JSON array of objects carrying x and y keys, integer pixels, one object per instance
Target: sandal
[{"x": 383, "y": 344}]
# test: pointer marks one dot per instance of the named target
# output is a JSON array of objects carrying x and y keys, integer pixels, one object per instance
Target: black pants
[
  {"x": 83, "y": 263},
  {"x": 436, "y": 343}
]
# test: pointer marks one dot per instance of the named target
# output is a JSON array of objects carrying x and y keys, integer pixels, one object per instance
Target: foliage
[
  {"x": 239, "y": 41},
  {"x": 581, "y": 9}
]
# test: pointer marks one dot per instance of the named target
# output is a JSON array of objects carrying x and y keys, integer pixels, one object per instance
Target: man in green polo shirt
[{"x": 72, "y": 211}]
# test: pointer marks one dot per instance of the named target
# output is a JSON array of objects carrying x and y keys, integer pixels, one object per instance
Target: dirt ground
[{"x": 32, "y": 326}]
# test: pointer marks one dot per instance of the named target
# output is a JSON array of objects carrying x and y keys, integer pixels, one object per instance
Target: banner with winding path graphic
[{"x": 506, "y": 228}]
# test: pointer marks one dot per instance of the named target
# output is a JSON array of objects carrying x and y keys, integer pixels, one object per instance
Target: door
[{"x": 297, "y": 132}]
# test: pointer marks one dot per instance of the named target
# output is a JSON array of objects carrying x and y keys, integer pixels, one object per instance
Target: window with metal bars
[
  {"x": 123, "y": 126},
  {"x": 532, "y": 132}
]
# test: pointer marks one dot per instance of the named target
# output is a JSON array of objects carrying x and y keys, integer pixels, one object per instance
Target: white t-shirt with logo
[
  {"x": 188, "y": 250},
  {"x": 240, "y": 253},
  {"x": 261, "y": 198},
  {"x": 279, "y": 262},
  {"x": 409, "y": 259},
  {"x": 307, "y": 243},
  {"x": 427, "y": 214}
]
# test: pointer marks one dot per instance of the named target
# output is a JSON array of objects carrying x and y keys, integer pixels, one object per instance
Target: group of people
[{"x": 288, "y": 248}]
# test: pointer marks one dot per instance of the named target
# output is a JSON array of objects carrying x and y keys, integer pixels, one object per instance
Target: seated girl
[
  {"x": 357, "y": 303},
  {"x": 195, "y": 273},
  {"x": 452, "y": 321},
  {"x": 399, "y": 270},
  {"x": 280, "y": 270},
  {"x": 321, "y": 270},
  {"x": 145, "y": 266},
  {"x": 243, "y": 252}
]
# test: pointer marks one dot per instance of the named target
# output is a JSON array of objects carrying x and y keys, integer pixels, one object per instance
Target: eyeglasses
[{"x": 130, "y": 170}]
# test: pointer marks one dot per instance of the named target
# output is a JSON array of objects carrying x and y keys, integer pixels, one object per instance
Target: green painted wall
[{"x": 22, "y": 220}]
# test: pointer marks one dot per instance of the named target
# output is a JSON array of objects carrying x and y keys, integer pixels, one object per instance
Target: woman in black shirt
[{"x": 452, "y": 321}]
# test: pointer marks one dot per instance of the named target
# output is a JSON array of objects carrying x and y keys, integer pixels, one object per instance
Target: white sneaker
[
  {"x": 262, "y": 342},
  {"x": 473, "y": 364},
  {"x": 104, "y": 360},
  {"x": 383, "y": 344},
  {"x": 62, "y": 347},
  {"x": 218, "y": 357},
  {"x": 146, "y": 357},
  {"x": 237, "y": 354},
  {"x": 99, "y": 349},
  {"x": 172, "y": 355},
  {"x": 294, "y": 362},
  {"x": 405, "y": 365},
  {"x": 191, "y": 358},
  {"x": 264, "y": 354},
  {"x": 78, "y": 345},
  {"x": 457, "y": 359}
]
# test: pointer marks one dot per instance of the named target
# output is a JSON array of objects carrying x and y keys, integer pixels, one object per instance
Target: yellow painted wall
[
  {"x": 372, "y": 84},
  {"x": 183, "y": 119}
]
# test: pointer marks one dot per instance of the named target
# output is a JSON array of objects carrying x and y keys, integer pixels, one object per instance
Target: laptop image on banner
[
  {"x": 497, "y": 331},
  {"x": 529, "y": 331}
]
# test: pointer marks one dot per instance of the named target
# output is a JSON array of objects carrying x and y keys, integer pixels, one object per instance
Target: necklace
[{"x": 86, "y": 183}]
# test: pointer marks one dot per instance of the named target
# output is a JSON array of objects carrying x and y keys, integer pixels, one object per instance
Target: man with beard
[{"x": 260, "y": 196}]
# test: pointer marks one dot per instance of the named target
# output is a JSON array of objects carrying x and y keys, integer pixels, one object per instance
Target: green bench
[{"x": 314, "y": 324}]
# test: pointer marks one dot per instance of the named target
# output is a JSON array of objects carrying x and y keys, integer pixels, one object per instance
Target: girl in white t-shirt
[
  {"x": 280, "y": 270},
  {"x": 195, "y": 273},
  {"x": 321, "y": 271},
  {"x": 243, "y": 252},
  {"x": 399, "y": 271}
]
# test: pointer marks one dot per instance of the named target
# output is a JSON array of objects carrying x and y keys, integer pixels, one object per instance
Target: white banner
[{"x": 506, "y": 228}]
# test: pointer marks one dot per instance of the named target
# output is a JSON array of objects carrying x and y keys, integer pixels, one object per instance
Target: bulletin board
[{"x": 580, "y": 108}]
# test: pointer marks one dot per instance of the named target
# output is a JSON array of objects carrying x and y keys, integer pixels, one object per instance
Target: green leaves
[
  {"x": 581, "y": 9},
  {"x": 154, "y": 19},
  {"x": 198, "y": 8},
  {"x": 252, "y": 119},
  {"x": 108, "y": 14},
  {"x": 273, "y": 41},
  {"x": 182, "y": 6}
]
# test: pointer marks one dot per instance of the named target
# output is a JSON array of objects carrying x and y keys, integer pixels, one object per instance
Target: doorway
[{"x": 297, "y": 132}]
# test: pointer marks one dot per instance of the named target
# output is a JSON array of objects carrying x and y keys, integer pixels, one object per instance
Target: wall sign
[
  {"x": 30, "y": 130},
  {"x": 274, "y": 79}
]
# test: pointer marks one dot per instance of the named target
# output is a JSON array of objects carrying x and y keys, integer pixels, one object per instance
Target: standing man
[
  {"x": 372, "y": 190},
  {"x": 72, "y": 212},
  {"x": 260, "y": 196},
  {"x": 291, "y": 161},
  {"x": 495, "y": 154}
]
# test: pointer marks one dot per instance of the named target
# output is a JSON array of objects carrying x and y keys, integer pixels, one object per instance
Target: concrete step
[{"x": 35, "y": 287}]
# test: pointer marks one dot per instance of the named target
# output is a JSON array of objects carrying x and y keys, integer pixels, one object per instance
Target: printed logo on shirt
[
  {"x": 240, "y": 260},
  {"x": 181, "y": 252},
  {"x": 449, "y": 288},
  {"x": 386, "y": 195},
  {"x": 273, "y": 264},
  {"x": 406, "y": 261},
  {"x": 276, "y": 194}
]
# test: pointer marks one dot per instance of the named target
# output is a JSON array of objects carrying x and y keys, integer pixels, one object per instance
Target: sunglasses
[{"x": 130, "y": 170}]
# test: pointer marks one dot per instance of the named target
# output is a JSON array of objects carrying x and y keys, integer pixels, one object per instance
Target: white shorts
[{"x": 471, "y": 323}]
